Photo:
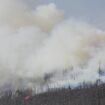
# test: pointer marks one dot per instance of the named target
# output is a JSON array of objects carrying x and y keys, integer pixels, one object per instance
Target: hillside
[{"x": 83, "y": 95}]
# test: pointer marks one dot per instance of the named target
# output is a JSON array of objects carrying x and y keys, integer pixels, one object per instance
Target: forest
[{"x": 85, "y": 94}]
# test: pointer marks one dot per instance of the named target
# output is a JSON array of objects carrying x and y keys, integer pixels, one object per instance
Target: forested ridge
[{"x": 86, "y": 94}]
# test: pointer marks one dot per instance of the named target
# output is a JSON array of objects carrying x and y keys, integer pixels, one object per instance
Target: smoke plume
[{"x": 37, "y": 42}]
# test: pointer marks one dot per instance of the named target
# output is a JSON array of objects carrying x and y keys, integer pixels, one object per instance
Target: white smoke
[
  {"x": 17, "y": 14},
  {"x": 38, "y": 42}
]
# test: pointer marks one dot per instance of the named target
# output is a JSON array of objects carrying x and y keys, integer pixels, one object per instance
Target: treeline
[{"x": 85, "y": 94}]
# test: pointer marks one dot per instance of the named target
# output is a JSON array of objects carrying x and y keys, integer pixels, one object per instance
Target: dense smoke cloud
[
  {"x": 17, "y": 14},
  {"x": 37, "y": 42}
]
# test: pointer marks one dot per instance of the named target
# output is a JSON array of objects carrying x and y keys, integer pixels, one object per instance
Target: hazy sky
[{"x": 92, "y": 11}]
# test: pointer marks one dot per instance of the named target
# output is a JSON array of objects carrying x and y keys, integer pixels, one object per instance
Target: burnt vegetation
[{"x": 85, "y": 94}]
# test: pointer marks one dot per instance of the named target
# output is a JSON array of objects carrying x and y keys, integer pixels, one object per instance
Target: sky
[{"x": 91, "y": 11}]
